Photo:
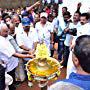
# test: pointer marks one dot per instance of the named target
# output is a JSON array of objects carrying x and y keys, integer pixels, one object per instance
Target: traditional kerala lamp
[{"x": 43, "y": 68}]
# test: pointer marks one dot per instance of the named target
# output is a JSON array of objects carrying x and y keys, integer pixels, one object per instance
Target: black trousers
[
  {"x": 12, "y": 86},
  {"x": 60, "y": 49},
  {"x": 65, "y": 56}
]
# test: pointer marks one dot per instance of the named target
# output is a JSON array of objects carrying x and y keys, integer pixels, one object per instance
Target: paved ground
[{"x": 24, "y": 86}]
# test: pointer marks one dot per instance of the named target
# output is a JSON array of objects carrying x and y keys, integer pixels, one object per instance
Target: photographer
[
  {"x": 67, "y": 42},
  {"x": 67, "y": 20}
]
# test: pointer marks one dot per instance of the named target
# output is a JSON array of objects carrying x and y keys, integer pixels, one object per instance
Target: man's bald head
[{"x": 4, "y": 30}]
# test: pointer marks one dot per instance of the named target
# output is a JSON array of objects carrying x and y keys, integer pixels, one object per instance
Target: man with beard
[
  {"x": 16, "y": 20},
  {"x": 84, "y": 29},
  {"x": 68, "y": 37}
]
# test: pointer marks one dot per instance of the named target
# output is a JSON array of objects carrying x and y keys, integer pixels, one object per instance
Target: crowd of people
[{"x": 66, "y": 37}]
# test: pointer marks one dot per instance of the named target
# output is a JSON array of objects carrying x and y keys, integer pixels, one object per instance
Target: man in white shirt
[
  {"x": 44, "y": 30},
  {"x": 75, "y": 24},
  {"x": 27, "y": 40},
  {"x": 7, "y": 49},
  {"x": 84, "y": 29},
  {"x": 16, "y": 20},
  {"x": 10, "y": 60}
]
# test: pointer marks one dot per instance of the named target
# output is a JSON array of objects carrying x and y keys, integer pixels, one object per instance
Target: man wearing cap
[
  {"x": 28, "y": 38},
  {"x": 44, "y": 30}
]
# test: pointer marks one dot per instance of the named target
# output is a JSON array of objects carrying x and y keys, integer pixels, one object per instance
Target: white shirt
[
  {"x": 55, "y": 23},
  {"x": 61, "y": 24},
  {"x": 82, "y": 30},
  {"x": 28, "y": 41},
  {"x": 7, "y": 49},
  {"x": 48, "y": 1},
  {"x": 44, "y": 32},
  {"x": 56, "y": 1},
  {"x": 19, "y": 29},
  {"x": 68, "y": 36}
]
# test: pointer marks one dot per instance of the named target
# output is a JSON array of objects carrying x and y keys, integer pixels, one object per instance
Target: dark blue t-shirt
[
  {"x": 82, "y": 81},
  {"x": 26, "y": 13}
]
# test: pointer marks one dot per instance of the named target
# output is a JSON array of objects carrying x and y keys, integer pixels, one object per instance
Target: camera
[{"x": 72, "y": 31}]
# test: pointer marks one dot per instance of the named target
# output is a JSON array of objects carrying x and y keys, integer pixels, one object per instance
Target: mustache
[
  {"x": 82, "y": 23},
  {"x": 26, "y": 28}
]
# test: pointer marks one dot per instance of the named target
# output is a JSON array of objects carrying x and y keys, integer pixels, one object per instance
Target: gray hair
[
  {"x": 2, "y": 25},
  {"x": 14, "y": 16}
]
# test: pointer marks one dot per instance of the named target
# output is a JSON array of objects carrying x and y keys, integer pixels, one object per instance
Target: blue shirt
[{"x": 82, "y": 81}]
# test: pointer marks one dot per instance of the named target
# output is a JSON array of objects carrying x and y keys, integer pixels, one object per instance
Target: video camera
[{"x": 72, "y": 31}]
